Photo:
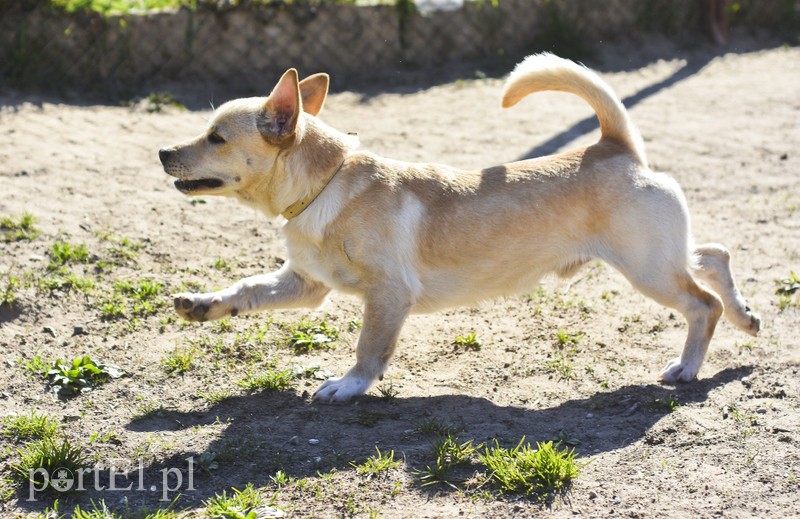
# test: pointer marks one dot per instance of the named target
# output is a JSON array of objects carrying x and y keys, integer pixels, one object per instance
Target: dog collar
[{"x": 298, "y": 207}]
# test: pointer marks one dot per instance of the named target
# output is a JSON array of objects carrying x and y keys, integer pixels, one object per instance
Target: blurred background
[{"x": 119, "y": 47}]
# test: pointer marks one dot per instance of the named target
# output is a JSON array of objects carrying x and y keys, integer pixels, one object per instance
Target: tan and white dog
[{"x": 394, "y": 232}]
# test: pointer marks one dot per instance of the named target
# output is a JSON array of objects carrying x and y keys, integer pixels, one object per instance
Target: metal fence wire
[{"x": 56, "y": 44}]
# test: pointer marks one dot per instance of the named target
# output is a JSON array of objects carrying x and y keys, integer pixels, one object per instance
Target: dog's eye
[{"x": 215, "y": 138}]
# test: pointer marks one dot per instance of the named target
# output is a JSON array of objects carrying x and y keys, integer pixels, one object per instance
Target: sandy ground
[{"x": 726, "y": 125}]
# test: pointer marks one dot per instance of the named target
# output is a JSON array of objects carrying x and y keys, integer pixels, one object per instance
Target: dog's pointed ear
[
  {"x": 314, "y": 91},
  {"x": 278, "y": 119}
]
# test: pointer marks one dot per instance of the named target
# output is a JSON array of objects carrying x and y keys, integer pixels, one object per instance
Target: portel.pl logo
[{"x": 112, "y": 477}]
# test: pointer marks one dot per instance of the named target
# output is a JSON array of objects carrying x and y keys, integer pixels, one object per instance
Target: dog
[{"x": 394, "y": 232}]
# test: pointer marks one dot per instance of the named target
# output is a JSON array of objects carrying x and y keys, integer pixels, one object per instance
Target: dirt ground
[{"x": 725, "y": 123}]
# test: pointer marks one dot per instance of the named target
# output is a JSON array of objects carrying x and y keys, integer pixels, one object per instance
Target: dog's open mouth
[{"x": 187, "y": 186}]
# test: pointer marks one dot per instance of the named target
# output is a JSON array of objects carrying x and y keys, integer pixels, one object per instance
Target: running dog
[{"x": 394, "y": 232}]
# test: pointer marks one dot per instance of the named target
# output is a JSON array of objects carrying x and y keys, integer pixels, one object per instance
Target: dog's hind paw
[
  {"x": 341, "y": 389},
  {"x": 677, "y": 371},
  {"x": 201, "y": 307}
]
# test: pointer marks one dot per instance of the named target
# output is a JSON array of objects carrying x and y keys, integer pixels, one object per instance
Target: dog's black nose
[{"x": 164, "y": 154}]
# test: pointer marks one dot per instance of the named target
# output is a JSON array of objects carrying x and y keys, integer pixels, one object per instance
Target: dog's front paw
[
  {"x": 201, "y": 307},
  {"x": 341, "y": 389},
  {"x": 677, "y": 371}
]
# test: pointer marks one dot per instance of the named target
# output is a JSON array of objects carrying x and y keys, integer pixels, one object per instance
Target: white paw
[
  {"x": 202, "y": 307},
  {"x": 676, "y": 371},
  {"x": 342, "y": 389}
]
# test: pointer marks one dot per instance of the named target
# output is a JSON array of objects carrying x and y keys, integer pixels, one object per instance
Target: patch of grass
[
  {"x": 215, "y": 396},
  {"x": 376, "y": 464},
  {"x": 143, "y": 294},
  {"x": 524, "y": 470},
  {"x": 240, "y": 504},
  {"x": 449, "y": 453},
  {"x": 561, "y": 367},
  {"x": 786, "y": 291},
  {"x": 81, "y": 375},
  {"x": 387, "y": 392},
  {"x": 470, "y": 341},
  {"x": 221, "y": 264},
  {"x": 369, "y": 418},
  {"x": 566, "y": 338},
  {"x": 66, "y": 282},
  {"x": 29, "y": 427},
  {"x": 308, "y": 335},
  {"x": 180, "y": 360},
  {"x": 271, "y": 380},
  {"x": 17, "y": 228},
  {"x": 8, "y": 294},
  {"x": 112, "y": 308},
  {"x": 37, "y": 366},
  {"x": 669, "y": 403},
  {"x": 63, "y": 253},
  {"x": 40, "y": 460},
  {"x": 433, "y": 427}
]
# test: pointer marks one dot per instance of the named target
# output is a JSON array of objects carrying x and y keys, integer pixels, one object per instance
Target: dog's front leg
[
  {"x": 282, "y": 289},
  {"x": 384, "y": 313}
]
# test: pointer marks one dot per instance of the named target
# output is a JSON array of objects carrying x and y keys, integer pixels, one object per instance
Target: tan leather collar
[{"x": 298, "y": 207}]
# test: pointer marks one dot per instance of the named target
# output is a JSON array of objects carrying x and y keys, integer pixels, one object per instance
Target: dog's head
[{"x": 245, "y": 141}]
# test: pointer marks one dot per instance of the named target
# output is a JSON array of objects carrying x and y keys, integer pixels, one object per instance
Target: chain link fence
[{"x": 239, "y": 43}]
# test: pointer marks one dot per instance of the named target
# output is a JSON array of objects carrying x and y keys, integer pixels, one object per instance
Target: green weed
[
  {"x": 63, "y": 253},
  {"x": 308, "y": 335},
  {"x": 271, "y": 380},
  {"x": 241, "y": 504},
  {"x": 41, "y": 459},
  {"x": 522, "y": 469},
  {"x": 433, "y": 427},
  {"x": 81, "y": 375},
  {"x": 17, "y": 228},
  {"x": 180, "y": 360},
  {"x": 449, "y": 453},
  {"x": 669, "y": 403},
  {"x": 8, "y": 294},
  {"x": 376, "y": 464},
  {"x": 29, "y": 427},
  {"x": 469, "y": 341}
]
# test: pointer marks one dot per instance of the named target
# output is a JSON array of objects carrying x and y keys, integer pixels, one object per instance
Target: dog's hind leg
[
  {"x": 674, "y": 287},
  {"x": 282, "y": 289},
  {"x": 385, "y": 311},
  {"x": 713, "y": 268}
]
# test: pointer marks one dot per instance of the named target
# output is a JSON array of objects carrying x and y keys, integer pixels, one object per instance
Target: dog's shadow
[{"x": 262, "y": 433}]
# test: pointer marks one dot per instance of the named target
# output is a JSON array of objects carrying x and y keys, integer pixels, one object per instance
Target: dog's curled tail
[{"x": 549, "y": 72}]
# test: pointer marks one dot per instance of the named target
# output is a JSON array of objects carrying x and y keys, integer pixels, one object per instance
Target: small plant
[
  {"x": 270, "y": 381},
  {"x": 221, "y": 264},
  {"x": 208, "y": 462},
  {"x": 63, "y": 253},
  {"x": 38, "y": 366},
  {"x": 469, "y": 341},
  {"x": 81, "y": 375},
  {"x": 41, "y": 460},
  {"x": 376, "y": 464},
  {"x": 387, "y": 392},
  {"x": 157, "y": 101},
  {"x": 669, "y": 404},
  {"x": 566, "y": 338},
  {"x": 449, "y": 453},
  {"x": 788, "y": 287},
  {"x": 241, "y": 504},
  {"x": 8, "y": 294},
  {"x": 180, "y": 360},
  {"x": 308, "y": 335},
  {"x": 433, "y": 427},
  {"x": 541, "y": 471},
  {"x": 29, "y": 427},
  {"x": 560, "y": 366},
  {"x": 18, "y": 228},
  {"x": 280, "y": 479},
  {"x": 113, "y": 308},
  {"x": 369, "y": 418}
]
